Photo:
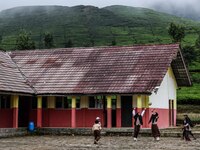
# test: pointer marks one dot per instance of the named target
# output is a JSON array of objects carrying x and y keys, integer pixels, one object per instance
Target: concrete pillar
[
  {"x": 118, "y": 112},
  {"x": 147, "y": 114},
  {"x": 39, "y": 112},
  {"x": 73, "y": 112},
  {"x": 109, "y": 111},
  {"x": 15, "y": 106}
]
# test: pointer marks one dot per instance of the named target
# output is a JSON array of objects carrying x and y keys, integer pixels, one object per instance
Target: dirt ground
[{"x": 86, "y": 142}]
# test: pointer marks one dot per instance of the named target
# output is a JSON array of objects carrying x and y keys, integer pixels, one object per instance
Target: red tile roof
[
  {"x": 11, "y": 79},
  {"x": 128, "y": 69}
]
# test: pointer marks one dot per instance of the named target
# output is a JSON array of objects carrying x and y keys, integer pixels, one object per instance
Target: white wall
[{"x": 166, "y": 91}]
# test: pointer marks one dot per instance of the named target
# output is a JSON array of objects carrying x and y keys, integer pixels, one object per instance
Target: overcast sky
[{"x": 5, "y": 4}]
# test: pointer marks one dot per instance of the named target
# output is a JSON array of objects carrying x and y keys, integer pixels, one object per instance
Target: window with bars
[
  {"x": 96, "y": 102},
  {"x": 4, "y": 101},
  {"x": 66, "y": 102},
  {"x": 44, "y": 102}
]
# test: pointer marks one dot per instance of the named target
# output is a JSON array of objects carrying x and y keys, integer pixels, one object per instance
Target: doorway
[
  {"x": 171, "y": 112},
  {"x": 114, "y": 105},
  {"x": 126, "y": 111},
  {"x": 24, "y": 111}
]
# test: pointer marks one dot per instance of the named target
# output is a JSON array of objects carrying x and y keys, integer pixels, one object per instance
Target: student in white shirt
[{"x": 138, "y": 122}]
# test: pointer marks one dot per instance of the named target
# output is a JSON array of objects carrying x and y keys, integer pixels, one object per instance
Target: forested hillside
[{"x": 89, "y": 26}]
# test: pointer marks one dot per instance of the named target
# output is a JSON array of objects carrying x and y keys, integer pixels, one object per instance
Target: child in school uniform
[
  {"x": 187, "y": 130},
  {"x": 96, "y": 131},
  {"x": 137, "y": 123},
  {"x": 154, "y": 127},
  {"x": 99, "y": 119}
]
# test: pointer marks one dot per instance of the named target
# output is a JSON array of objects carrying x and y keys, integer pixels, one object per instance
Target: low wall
[
  {"x": 107, "y": 132},
  {"x": 10, "y": 132}
]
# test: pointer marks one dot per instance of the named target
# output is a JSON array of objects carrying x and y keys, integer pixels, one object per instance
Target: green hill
[
  {"x": 88, "y": 25},
  {"x": 93, "y": 26}
]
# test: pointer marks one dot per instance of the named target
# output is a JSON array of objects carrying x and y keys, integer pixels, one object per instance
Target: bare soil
[{"x": 86, "y": 142}]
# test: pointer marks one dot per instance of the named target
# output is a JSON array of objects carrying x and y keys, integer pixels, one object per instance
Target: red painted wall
[
  {"x": 33, "y": 116},
  {"x": 146, "y": 118},
  {"x": 163, "y": 121},
  {"x": 118, "y": 119},
  {"x": 56, "y": 118},
  {"x": 6, "y": 118},
  {"x": 45, "y": 117},
  {"x": 86, "y": 117}
]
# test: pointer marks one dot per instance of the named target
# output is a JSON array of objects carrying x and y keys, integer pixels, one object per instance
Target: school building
[{"x": 71, "y": 87}]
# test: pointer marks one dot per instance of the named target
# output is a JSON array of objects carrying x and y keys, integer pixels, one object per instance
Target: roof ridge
[
  {"x": 96, "y": 47},
  {"x": 23, "y": 75}
]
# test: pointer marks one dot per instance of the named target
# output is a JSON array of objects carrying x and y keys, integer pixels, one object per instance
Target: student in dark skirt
[
  {"x": 154, "y": 127},
  {"x": 187, "y": 128},
  {"x": 137, "y": 123}
]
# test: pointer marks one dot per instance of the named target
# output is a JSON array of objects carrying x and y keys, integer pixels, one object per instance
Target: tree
[
  {"x": 176, "y": 32},
  {"x": 113, "y": 42},
  {"x": 68, "y": 44},
  {"x": 197, "y": 43},
  {"x": 24, "y": 41},
  {"x": 189, "y": 53},
  {"x": 0, "y": 42},
  {"x": 48, "y": 40},
  {"x": 1, "y": 38}
]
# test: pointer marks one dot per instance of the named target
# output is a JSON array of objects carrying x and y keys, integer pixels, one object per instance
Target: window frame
[
  {"x": 67, "y": 100},
  {"x": 6, "y": 102},
  {"x": 97, "y": 102}
]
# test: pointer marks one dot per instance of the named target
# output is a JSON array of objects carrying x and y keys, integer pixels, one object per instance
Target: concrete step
[{"x": 168, "y": 132}]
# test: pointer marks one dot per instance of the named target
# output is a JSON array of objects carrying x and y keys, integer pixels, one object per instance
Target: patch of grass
[
  {"x": 188, "y": 109},
  {"x": 189, "y": 95},
  {"x": 195, "y": 118},
  {"x": 192, "y": 111}
]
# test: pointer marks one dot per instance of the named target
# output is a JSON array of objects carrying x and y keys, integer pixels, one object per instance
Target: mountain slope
[{"x": 87, "y": 25}]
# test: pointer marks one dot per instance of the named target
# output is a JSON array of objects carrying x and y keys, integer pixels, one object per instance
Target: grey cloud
[{"x": 193, "y": 4}]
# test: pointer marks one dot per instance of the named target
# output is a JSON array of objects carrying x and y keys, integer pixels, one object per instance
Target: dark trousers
[
  {"x": 136, "y": 131},
  {"x": 186, "y": 134},
  {"x": 97, "y": 135}
]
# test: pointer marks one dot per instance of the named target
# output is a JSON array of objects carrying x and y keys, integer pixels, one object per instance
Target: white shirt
[{"x": 142, "y": 114}]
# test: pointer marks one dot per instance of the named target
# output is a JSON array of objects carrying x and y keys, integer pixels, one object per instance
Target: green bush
[{"x": 189, "y": 95}]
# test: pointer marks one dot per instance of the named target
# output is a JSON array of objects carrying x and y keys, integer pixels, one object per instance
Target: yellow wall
[
  {"x": 109, "y": 102},
  {"x": 84, "y": 102},
  {"x": 73, "y": 102},
  {"x": 51, "y": 101},
  {"x": 140, "y": 101},
  {"x": 14, "y": 101},
  {"x": 171, "y": 75},
  {"x": 39, "y": 102},
  {"x": 118, "y": 101}
]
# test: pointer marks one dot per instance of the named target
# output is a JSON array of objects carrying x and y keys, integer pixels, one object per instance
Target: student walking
[
  {"x": 187, "y": 128},
  {"x": 99, "y": 120},
  {"x": 137, "y": 123},
  {"x": 154, "y": 127},
  {"x": 96, "y": 131}
]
